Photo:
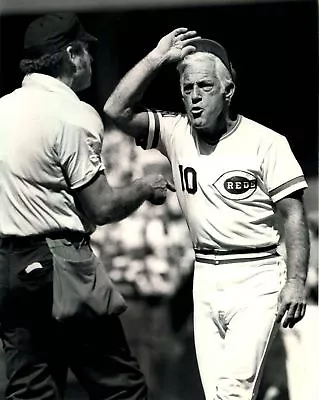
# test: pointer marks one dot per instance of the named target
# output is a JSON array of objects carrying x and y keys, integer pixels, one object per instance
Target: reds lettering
[
  {"x": 236, "y": 184},
  {"x": 239, "y": 184}
]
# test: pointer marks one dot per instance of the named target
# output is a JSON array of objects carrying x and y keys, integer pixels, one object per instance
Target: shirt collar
[
  {"x": 198, "y": 138},
  {"x": 48, "y": 83}
]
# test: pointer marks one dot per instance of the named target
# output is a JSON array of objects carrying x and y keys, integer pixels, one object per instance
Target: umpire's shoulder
[{"x": 90, "y": 118}]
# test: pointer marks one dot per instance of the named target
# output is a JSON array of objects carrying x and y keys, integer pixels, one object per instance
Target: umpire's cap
[
  {"x": 51, "y": 32},
  {"x": 210, "y": 46}
]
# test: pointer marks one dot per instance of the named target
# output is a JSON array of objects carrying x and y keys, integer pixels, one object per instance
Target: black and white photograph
[{"x": 159, "y": 200}]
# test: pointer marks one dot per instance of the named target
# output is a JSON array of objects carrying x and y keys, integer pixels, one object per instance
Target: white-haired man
[{"x": 231, "y": 175}]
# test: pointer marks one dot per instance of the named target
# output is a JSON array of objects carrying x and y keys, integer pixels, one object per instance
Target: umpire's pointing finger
[{"x": 170, "y": 186}]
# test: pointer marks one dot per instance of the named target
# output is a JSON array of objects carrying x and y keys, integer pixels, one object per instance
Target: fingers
[
  {"x": 170, "y": 186},
  {"x": 299, "y": 313},
  {"x": 183, "y": 37},
  {"x": 158, "y": 200},
  {"x": 290, "y": 314},
  {"x": 187, "y": 50},
  {"x": 172, "y": 45},
  {"x": 184, "y": 41},
  {"x": 190, "y": 40},
  {"x": 188, "y": 35},
  {"x": 179, "y": 31},
  {"x": 159, "y": 197},
  {"x": 303, "y": 310},
  {"x": 281, "y": 312},
  {"x": 160, "y": 186}
]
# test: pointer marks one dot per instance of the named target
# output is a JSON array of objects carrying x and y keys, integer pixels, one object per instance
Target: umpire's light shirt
[{"x": 50, "y": 144}]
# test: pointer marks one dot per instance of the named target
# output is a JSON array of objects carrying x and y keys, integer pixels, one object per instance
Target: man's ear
[
  {"x": 229, "y": 91},
  {"x": 71, "y": 53}
]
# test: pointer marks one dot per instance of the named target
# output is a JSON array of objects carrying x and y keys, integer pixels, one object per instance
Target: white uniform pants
[
  {"x": 235, "y": 304},
  {"x": 302, "y": 348}
]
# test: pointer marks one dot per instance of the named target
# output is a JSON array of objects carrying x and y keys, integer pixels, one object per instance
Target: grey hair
[{"x": 218, "y": 67}]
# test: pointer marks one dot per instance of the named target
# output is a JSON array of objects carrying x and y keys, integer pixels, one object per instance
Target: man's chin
[{"x": 197, "y": 123}]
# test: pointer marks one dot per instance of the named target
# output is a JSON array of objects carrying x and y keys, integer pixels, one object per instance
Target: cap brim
[{"x": 87, "y": 37}]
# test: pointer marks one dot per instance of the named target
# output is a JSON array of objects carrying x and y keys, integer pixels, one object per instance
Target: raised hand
[{"x": 176, "y": 44}]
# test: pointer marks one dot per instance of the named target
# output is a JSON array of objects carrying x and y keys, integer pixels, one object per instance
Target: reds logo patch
[{"x": 236, "y": 185}]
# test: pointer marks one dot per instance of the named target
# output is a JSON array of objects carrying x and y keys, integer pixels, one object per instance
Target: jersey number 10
[{"x": 188, "y": 179}]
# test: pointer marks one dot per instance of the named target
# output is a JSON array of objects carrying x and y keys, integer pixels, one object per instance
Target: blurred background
[{"x": 273, "y": 46}]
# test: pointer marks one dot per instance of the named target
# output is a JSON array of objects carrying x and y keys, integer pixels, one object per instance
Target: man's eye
[
  {"x": 187, "y": 89},
  {"x": 207, "y": 87}
]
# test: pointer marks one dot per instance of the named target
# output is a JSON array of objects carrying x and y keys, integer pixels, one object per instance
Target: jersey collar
[
  {"x": 237, "y": 122},
  {"x": 48, "y": 83},
  {"x": 225, "y": 135}
]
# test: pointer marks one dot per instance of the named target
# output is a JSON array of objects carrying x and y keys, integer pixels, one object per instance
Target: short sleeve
[
  {"x": 161, "y": 126},
  {"x": 281, "y": 171},
  {"x": 79, "y": 154}
]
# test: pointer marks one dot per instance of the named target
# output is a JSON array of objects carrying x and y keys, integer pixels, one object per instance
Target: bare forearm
[
  {"x": 171, "y": 48},
  {"x": 297, "y": 247},
  {"x": 103, "y": 204},
  {"x": 292, "y": 298},
  {"x": 132, "y": 87},
  {"x": 122, "y": 202}
]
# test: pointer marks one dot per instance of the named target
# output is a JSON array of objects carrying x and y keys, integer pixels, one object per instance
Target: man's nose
[{"x": 196, "y": 93}]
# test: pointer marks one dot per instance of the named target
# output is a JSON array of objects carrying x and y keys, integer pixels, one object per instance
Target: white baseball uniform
[{"x": 227, "y": 193}]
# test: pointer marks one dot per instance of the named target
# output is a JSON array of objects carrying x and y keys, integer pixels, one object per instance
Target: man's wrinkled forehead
[{"x": 198, "y": 65}]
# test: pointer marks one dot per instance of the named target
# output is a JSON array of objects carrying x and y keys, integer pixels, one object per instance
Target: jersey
[{"x": 227, "y": 192}]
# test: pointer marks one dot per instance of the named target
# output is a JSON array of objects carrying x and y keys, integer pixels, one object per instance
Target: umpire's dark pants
[{"x": 39, "y": 350}]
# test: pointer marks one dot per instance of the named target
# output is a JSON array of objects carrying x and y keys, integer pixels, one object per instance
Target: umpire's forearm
[{"x": 122, "y": 202}]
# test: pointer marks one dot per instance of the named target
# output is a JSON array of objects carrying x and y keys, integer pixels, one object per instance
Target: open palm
[{"x": 177, "y": 44}]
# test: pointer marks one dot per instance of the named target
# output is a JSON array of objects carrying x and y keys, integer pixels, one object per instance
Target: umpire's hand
[
  {"x": 159, "y": 186},
  {"x": 291, "y": 303}
]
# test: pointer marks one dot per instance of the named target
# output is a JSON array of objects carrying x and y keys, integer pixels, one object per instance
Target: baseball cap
[
  {"x": 51, "y": 32},
  {"x": 210, "y": 46}
]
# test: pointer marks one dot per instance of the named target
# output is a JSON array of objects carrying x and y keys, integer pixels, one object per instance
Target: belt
[
  {"x": 245, "y": 250},
  {"x": 215, "y": 256},
  {"x": 34, "y": 240}
]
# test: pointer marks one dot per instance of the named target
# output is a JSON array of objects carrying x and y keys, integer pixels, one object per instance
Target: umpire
[{"x": 53, "y": 193}]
